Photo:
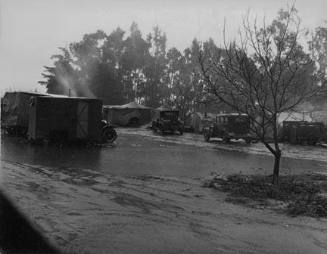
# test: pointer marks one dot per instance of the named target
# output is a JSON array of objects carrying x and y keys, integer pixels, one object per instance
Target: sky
[{"x": 32, "y": 30}]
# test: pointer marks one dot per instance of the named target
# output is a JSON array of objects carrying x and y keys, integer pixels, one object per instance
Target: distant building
[{"x": 197, "y": 121}]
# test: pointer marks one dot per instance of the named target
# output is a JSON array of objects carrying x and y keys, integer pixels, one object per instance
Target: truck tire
[
  {"x": 109, "y": 135},
  {"x": 226, "y": 139},
  {"x": 248, "y": 140},
  {"x": 206, "y": 136}
]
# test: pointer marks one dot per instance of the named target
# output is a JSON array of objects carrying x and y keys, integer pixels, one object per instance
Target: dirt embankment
[{"x": 86, "y": 211}]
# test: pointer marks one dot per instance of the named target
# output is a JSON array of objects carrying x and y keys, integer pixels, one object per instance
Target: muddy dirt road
[
  {"x": 145, "y": 195},
  {"x": 140, "y": 152}
]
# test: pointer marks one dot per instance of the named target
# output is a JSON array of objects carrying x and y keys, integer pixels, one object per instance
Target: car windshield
[{"x": 169, "y": 115}]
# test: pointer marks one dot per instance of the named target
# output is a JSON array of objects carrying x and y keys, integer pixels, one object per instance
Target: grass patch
[{"x": 295, "y": 195}]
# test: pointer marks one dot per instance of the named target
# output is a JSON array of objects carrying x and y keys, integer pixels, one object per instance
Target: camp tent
[{"x": 129, "y": 114}]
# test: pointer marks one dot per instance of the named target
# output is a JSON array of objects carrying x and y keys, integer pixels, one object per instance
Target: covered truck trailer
[
  {"x": 15, "y": 111},
  {"x": 65, "y": 119},
  {"x": 300, "y": 132}
]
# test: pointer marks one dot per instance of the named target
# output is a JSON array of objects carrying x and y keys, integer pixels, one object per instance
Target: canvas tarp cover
[
  {"x": 131, "y": 105},
  {"x": 15, "y": 108},
  {"x": 123, "y": 114}
]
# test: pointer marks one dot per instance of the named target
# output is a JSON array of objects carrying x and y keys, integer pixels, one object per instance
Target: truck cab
[
  {"x": 166, "y": 120},
  {"x": 229, "y": 126}
]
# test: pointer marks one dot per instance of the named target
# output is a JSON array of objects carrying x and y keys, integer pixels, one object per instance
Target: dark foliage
[
  {"x": 119, "y": 68},
  {"x": 301, "y": 194}
]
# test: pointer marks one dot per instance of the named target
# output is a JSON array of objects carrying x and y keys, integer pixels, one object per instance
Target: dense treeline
[{"x": 121, "y": 67}]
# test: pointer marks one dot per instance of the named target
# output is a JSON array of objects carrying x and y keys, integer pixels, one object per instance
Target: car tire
[
  {"x": 226, "y": 140},
  {"x": 109, "y": 135},
  {"x": 206, "y": 137}
]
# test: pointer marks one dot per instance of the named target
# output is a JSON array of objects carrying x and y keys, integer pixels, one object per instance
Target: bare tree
[{"x": 266, "y": 73}]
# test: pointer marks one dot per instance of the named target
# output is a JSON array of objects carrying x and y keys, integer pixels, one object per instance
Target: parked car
[
  {"x": 166, "y": 120},
  {"x": 229, "y": 126}
]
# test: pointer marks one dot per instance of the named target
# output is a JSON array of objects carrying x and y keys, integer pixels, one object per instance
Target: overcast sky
[{"x": 32, "y": 30}]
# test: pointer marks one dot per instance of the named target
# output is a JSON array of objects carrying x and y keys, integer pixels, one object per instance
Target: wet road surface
[
  {"x": 145, "y": 195},
  {"x": 140, "y": 152}
]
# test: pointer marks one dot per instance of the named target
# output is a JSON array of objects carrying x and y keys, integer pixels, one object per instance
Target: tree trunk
[{"x": 276, "y": 167}]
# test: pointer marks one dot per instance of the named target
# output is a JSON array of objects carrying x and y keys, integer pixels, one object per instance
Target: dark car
[
  {"x": 166, "y": 120},
  {"x": 229, "y": 126}
]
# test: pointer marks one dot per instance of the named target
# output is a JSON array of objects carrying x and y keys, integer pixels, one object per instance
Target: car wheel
[{"x": 226, "y": 139}]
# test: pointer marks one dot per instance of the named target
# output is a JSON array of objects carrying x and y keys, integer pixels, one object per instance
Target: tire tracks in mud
[
  {"x": 78, "y": 201},
  {"x": 157, "y": 208}
]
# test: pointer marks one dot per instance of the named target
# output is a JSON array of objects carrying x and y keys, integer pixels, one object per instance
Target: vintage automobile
[
  {"x": 302, "y": 132},
  {"x": 229, "y": 126},
  {"x": 166, "y": 120}
]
